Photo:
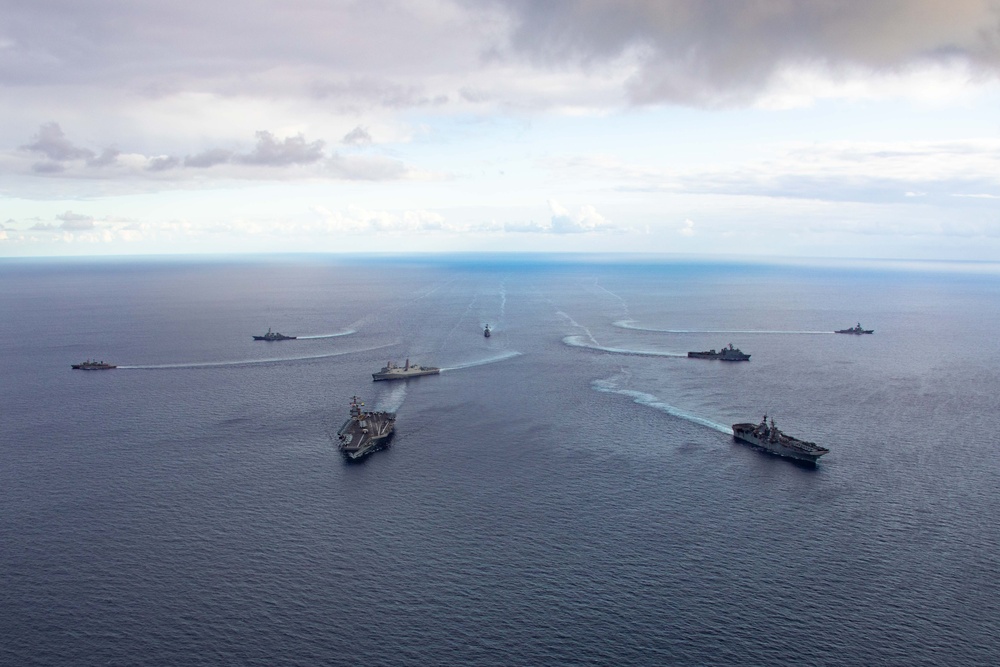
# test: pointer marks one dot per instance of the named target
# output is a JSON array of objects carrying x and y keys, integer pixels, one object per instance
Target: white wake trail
[
  {"x": 578, "y": 341},
  {"x": 482, "y": 362},
  {"x": 250, "y": 362},
  {"x": 642, "y": 398}
]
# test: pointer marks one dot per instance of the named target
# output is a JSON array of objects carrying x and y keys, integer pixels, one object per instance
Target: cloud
[
  {"x": 726, "y": 53},
  {"x": 687, "y": 229},
  {"x": 586, "y": 220},
  {"x": 163, "y": 163},
  {"x": 269, "y": 151},
  {"x": 75, "y": 221},
  {"x": 209, "y": 158},
  {"x": 53, "y": 144},
  {"x": 359, "y": 136}
]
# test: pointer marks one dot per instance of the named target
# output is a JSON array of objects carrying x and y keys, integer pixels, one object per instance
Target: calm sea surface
[{"x": 566, "y": 492}]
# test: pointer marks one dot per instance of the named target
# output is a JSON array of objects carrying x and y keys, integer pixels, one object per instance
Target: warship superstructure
[
  {"x": 856, "y": 330},
  {"x": 393, "y": 372},
  {"x": 726, "y": 354},
  {"x": 364, "y": 432},
  {"x": 89, "y": 365},
  {"x": 767, "y": 436},
  {"x": 486, "y": 331},
  {"x": 274, "y": 336}
]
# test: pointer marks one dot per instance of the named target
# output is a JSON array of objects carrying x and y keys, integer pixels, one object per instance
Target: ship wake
[
  {"x": 642, "y": 398},
  {"x": 630, "y": 324},
  {"x": 346, "y": 332},
  {"x": 392, "y": 401},
  {"x": 250, "y": 362},
  {"x": 581, "y": 341},
  {"x": 482, "y": 362}
]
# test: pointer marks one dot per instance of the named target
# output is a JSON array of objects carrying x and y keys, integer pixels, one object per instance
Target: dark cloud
[
  {"x": 359, "y": 136},
  {"x": 208, "y": 158},
  {"x": 717, "y": 52},
  {"x": 107, "y": 157},
  {"x": 53, "y": 144},
  {"x": 271, "y": 152},
  {"x": 163, "y": 163},
  {"x": 47, "y": 168}
]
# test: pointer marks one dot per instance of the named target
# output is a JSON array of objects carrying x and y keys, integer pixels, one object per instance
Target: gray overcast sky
[{"x": 815, "y": 128}]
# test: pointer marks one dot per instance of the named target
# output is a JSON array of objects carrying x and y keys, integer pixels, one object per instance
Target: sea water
[{"x": 566, "y": 491}]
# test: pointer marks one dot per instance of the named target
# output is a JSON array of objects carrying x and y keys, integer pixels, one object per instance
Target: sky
[{"x": 786, "y": 128}]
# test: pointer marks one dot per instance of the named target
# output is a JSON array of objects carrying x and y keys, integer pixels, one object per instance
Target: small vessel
[
  {"x": 393, "y": 372},
  {"x": 89, "y": 365},
  {"x": 726, "y": 354},
  {"x": 770, "y": 438},
  {"x": 486, "y": 331},
  {"x": 274, "y": 336},
  {"x": 364, "y": 432},
  {"x": 857, "y": 330}
]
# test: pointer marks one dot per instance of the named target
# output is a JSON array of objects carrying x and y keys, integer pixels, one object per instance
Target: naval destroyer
[
  {"x": 274, "y": 336},
  {"x": 364, "y": 432},
  {"x": 726, "y": 354},
  {"x": 856, "y": 330},
  {"x": 89, "y": 365},
  {"x": 486, "y": 331},
  {"x": 393, "y": 372},
  {"x": 767, "y": 436}
]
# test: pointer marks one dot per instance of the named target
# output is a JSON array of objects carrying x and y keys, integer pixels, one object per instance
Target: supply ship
[
  {"x": 364, "y": 432},
  {"x": 770, "y": 438},
  {"x": 727, "y": 354},
  {"x": 89, "y": 365},
  {"x": 393, "y": 372},
  {"x": 274, "y": 336},
  {"x": 856, "y": 330}
]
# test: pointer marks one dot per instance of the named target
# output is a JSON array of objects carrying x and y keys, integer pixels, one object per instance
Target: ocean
[{"x": 565, "y": 492}]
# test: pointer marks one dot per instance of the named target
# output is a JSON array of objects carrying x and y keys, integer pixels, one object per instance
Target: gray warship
[
  {"x": 364, "y": 432},
  {"x": 393, "y": 372},
  {"x": 274, "y": 336},
  {"x": 856, "y": 330},
  {"x": 770, "y": 438},
  {"x": 726, "y": 354},
  {"x": 486, "y": 331},
  {"x": 89, "y": 365}
]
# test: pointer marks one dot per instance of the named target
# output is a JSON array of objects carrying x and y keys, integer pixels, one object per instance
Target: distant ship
[
  {"x": 727, "y": 354},
  {"x": 857, "y": 330},
  {"x": 393, "y": 372},
  {"x": 770, "y": 438},
  {"x": 364, "y": 432},
  {"x": 486, "y": 331},
  {"x": 89, "y": 365},
  {"x": 274, "y": 336}
]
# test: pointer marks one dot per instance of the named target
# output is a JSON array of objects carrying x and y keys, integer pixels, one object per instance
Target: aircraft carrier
[
  {"x": 767, "y": 436},
  {"x": 364, "y": 432},
  {"x": 393, "y": 372}
]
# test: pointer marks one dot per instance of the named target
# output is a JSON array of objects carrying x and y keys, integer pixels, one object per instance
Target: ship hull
[
  {"x": 92, "y": 367},
  {"x": 720, "y": 356},
  {"x": 790, "y": 448},
  {"x": 402, "y": 376}
]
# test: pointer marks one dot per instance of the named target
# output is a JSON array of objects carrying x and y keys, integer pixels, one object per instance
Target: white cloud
[{"x": 687, "y": 229}]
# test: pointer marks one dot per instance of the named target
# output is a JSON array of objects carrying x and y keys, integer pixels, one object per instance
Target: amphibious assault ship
[
  {"x": 770, "y": 438},
  {"x": 393, "y": 372},
  {"x": 274, "y": 336},
  {"x": 726, "y": 354},
  {"x": 857, "y": 330},
  {"x": 89, "y": 365},
  {"x": 364, "y": 432}
]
